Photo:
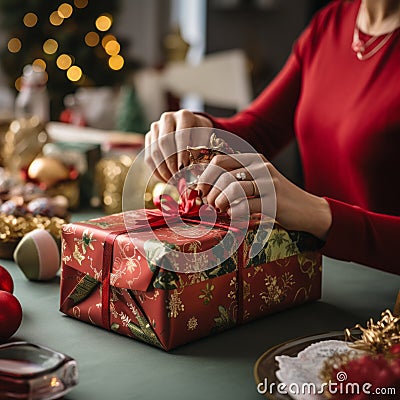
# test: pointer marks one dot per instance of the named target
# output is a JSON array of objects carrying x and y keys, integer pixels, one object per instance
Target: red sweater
[{"x": 345, "y": 114}]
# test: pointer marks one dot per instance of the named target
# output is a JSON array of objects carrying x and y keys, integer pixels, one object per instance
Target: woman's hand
[
  {"x": 242, "y": 183},
  {"x": 166, "y": 143}
]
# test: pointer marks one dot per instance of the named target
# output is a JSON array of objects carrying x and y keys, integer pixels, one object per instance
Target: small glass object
[{"x": 33, "y": 372}]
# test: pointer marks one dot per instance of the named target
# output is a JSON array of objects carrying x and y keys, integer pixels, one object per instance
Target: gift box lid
[
  {"x": 164, "y": 258},
  {"x": 170, "y": 257}
]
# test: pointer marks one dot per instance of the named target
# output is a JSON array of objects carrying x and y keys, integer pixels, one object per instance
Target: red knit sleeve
[{"x": 364, "y": 237}]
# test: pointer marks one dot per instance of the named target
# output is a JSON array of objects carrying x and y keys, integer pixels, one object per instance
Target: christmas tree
[{"x": 72, "y": 40}]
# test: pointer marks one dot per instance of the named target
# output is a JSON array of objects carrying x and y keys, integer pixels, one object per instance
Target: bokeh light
[
  {"x": 39, "y": 63},
  {"x": 14, "y": 45},
  {"x": 80, "y": 3},
  {"x": 50, "y": 46},
  {"x": 106, "y": 39},
  {"x": 18, "y": 83},
  {"x": 104, "y": 22},
  {"x": 112, "y": 48},
  {"x": 74, "y": 73},
  {"x": 92, "y": 39},
  {"x": 55, "y": 19},
  {"x": 64, "y": 61},
  {"x": 65, "y": 10},
  {"x": 116, "y": 62},
  {"x": 30, "y": 19}
]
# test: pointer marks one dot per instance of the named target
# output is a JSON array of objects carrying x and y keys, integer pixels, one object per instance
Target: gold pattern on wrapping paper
[
  {"x": 197, "y": 277},
  {"x": 144, "y": 331},
  {"x": 283, "y": 262},
  {"x": 78, "y": 255},
  {"x": 174, "y": 305},
  {"x": 64, "y": 257},
  {"x": 276, "y": 290},
  {"x": 86, "y": 241},
  {"x": 232, "y": 293},
  {"x": 83, "y": 289},
  {"x": 206, "y": 293},
  {"x": 247, "y": 291},
  {"x": 126, "y": 264},
  {"x": 76, "y": 311},
  {"x": 305, "y": 291},
  {"x": 192, "y": 323},
  {"x": 246, "y": 315},
  {"x": 307, "y": 263},
  {"x": 89, "y": 316},
  {"x": 255, "y": 271}
]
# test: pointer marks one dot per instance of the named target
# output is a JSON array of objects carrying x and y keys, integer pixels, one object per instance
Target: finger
[
  {"x": 148, "y": 152},
  {"x": 207, "y": 179},
  {"x": 233, "y": 194},
  {"x": 245, "y": 208},
  {"x": 200, "y": 136},
  {"x": 182, "y": 139},
  {"x": 167, "y": 141},
  {"x": 160, "y": 167},
  {"x": 218, "y": 165},
  {"x": 184, "y": 120},
  {"x": 220, "y": 186}
]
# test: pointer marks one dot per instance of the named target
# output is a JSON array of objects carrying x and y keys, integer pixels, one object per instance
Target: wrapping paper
[{"x": 132, "y": 284}]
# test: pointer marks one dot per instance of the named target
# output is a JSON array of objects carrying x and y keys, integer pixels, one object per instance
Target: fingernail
[
  {"x": 181, "y": 166},
  {"x": 204, "y": 199}
]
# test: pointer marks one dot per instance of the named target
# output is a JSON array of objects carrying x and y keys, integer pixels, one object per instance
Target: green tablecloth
[{"x": 114, "y": 367}]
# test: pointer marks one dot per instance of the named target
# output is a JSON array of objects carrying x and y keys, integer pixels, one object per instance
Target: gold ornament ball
[{"x": 48, "y": 171}]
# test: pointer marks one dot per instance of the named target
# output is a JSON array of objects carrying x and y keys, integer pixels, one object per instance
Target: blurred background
[{"x": 81, "y": 81}]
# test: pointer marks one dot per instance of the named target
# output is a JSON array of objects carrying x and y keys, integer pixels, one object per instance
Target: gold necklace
[{"x": 361, "y": 47}]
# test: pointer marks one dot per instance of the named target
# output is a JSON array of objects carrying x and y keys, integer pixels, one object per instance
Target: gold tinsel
[
  {"x": 13, "y": 228},
  {"x": 377, "y": 338}
]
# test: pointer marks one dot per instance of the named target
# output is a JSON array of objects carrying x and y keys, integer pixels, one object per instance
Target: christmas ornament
[
  {"x": 38, "y": 255},
  {"x": 13, "y": 206},
  {"x": 6, "y": 282},
  {"x": 56, "y": 206},
  {"x": 23, "y": 142},
  {"x": 48, "y": 171},
  {"x": 379, "y": 364},
  {"x": 10, "y": 314}
]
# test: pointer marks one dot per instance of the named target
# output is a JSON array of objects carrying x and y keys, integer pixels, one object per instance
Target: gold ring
[{"x": 254, "y": 194}]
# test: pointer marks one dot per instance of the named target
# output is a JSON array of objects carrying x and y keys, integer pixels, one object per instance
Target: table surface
[{"x": 218, "y": 367}]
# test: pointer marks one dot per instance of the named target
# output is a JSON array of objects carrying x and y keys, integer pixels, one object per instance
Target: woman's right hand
[{"x": 168, "y": 139}]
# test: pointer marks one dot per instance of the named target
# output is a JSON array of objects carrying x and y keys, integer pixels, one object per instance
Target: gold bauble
[{"x": 48, "y": 171}]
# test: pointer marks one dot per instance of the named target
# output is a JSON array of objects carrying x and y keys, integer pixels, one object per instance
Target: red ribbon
[{"x": 169, "y": 211}]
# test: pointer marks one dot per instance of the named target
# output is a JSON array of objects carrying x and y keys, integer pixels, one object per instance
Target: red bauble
[
  {"x": 10, "y": 314},
  {"x": 376, "y": 370},
  {"x": 6, "y": 282}
]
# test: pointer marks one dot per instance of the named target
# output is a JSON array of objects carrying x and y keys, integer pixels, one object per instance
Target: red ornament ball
[
  {"x": 6, "y": 282},
  {"x": 10, "y": 314}
]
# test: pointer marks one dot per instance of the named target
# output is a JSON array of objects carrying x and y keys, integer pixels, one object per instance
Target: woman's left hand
[{"x": 242, "y": 183}]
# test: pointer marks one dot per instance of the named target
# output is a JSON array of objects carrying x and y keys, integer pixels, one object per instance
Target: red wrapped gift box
[{"x": 135, "y": 285}]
